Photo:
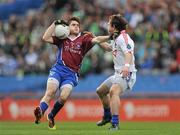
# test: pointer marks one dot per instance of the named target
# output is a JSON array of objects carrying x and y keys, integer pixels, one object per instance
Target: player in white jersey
[{"x": 125, "y": 72}]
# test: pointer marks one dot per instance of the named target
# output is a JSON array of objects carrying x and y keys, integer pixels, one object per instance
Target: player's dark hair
[
  {"x": 118, "y": 21},
  {"x": 74, "y": 19}
]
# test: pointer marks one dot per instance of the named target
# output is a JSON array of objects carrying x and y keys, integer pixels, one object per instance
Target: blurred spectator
[{"x": 155, "y": 27}]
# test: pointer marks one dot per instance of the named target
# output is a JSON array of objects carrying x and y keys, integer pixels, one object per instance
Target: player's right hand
[
  {"x": 125, "y": 72},
  {"x": 56, "y": 22},
  {"x": 89, "y": 33}
]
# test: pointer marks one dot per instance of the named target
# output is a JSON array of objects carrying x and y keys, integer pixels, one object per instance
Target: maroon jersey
[{"x": 71, "y": 52}]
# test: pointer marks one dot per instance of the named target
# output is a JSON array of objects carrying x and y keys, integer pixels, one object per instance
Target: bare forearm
[
  {"x": 128, "y": 58},
  {"x": 48, "y": 33},
  {"x": 100, "y": 39}
]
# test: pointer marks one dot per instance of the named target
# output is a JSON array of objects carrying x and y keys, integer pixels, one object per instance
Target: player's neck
[{"x": 73, "y": 36}]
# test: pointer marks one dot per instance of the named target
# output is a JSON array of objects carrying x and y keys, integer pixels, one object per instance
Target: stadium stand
[
  {"x": 146, "y": 86},
  {"x": 18, "y": 7}
]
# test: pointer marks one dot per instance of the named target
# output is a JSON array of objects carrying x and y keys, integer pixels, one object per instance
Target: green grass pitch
[{"x": 90, "y": 128}]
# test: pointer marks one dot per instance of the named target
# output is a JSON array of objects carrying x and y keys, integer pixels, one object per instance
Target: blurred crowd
[{"x": 153, "y": 25}]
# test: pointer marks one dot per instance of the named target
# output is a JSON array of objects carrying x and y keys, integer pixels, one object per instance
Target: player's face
[
  {"x": 110, "y": 28},
  {"x": 74, "y": 27}
]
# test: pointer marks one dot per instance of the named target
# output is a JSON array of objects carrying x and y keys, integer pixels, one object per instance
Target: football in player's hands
[{"x": 61, "y": 29}]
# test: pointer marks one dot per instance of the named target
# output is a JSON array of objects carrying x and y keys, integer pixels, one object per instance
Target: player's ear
[{"x": 113, "y": 26}]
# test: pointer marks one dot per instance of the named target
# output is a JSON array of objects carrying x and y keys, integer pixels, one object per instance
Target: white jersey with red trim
[{"x": 120, "y": 46}]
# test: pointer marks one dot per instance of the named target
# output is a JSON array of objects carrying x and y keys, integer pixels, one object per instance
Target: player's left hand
[
  {"x": 114, "y": 35},
  {"x": 125, "y": 72}
]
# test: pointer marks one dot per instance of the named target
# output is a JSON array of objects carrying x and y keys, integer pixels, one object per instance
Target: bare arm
[
  {"x": 105, "y": 46},
  {"x": 128, "y": 61},
  {"x": 99, "y": 39},
  {"x": 47, "y": 37},
  {"x": 128, "y": 58}
]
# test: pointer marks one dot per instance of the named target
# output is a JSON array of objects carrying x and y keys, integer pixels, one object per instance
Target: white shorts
[{"x": 126, "y": 83}]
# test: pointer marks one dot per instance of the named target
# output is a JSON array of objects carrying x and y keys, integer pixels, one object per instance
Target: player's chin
[
  {"x": 75, "y": 32},
  {"x": 110, "y": 31}
]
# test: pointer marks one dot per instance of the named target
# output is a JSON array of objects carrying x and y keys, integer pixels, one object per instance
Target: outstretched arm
[
  {"x": 105, "y": 46},
  {"x": 100, "y": 39}
]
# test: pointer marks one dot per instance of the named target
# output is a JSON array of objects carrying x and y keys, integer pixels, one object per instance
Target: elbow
[
  {"x": 43, "y": 38},
  {"x": 109, "y": 49}
]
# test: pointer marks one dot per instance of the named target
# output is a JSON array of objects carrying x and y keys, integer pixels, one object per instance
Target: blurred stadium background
[{"x": 25, "y": 59}]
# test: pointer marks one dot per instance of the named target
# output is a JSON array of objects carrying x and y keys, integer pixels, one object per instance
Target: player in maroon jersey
[{"x": 64, "y": 73}]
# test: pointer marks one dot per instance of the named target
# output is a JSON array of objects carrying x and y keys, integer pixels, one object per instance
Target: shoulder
[
  {"x": 87, "y": 37},
  {"x": 124, "y": 39},
  {"x": 120, "y": 39}
]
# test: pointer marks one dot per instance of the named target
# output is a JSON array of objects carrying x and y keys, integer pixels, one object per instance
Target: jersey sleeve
[
  {"x": 126, "y": 46},
  {"x": 87, "y": 41}
]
